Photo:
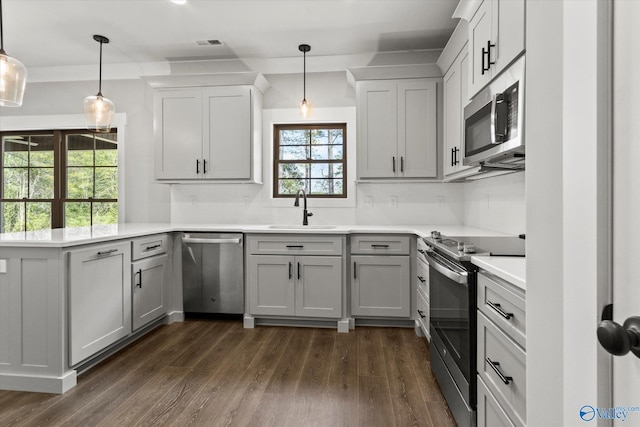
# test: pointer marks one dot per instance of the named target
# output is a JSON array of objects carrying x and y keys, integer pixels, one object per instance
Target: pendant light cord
[
  {"x": 1, "y": 35},
  {"x": 304, "y": 77},
  {"x": 100, "y": 73}
]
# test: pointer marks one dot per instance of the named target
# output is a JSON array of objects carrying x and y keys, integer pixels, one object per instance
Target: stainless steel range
[{"x": 452, "y": 295}]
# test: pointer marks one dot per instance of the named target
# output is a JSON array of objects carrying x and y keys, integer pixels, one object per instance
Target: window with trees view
[
  {"x": 310, "y": 157},
  {"x": 54, "y": 179}
]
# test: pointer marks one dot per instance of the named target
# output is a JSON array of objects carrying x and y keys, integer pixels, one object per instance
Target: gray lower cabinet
[
  {"x": 294, "y": 275},
  {"x": 380, "y": 286},
  {"x": 149, "y": 278},
  {"x": 148, "y": 297},
  {"x": 99, "y": 298},
  {"x": 309, "y": 286},
  {"x": 501, "y": 355}
]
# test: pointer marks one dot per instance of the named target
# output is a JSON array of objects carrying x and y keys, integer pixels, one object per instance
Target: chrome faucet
[{"x": 305, "y": 214}]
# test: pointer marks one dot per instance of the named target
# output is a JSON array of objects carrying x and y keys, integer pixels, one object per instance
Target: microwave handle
[{"x": 498, "y": 123}]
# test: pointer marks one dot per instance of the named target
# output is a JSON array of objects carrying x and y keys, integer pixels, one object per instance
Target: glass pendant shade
[
  {"x": 305, "y": 108},
  {"x": 13, "y": 78},
  {"x": 98, "y": 113}
]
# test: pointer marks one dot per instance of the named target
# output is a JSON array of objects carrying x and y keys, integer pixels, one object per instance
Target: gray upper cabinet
[
  {"x": 496, "y": 38},
  {"x": 210, "y": 133},
  {"x": 397, "y": 131}
]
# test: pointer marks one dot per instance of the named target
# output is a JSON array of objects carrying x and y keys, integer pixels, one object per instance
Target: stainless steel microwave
[{"x": 494, "y": 122}]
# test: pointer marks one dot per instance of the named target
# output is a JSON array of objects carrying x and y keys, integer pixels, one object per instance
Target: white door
[
  {"x": 319, "y": 286},
  {"x": 626, "y": 200}
]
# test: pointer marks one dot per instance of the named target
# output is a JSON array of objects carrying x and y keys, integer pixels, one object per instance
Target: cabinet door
[
  {"x": 381, "y": 286},
  {"x": 271, "y": 285},
  {"x": 417, "y": 142},
  {"x": 149, "y": 276},
  {"x": 480, "y": 33},
  {"x": 319, "y": 286},
  {"x": 452, "y": 119},
  {"x": 99, "y": 298},
  {"x": 178, "y": 134},
  {"x": 377, "y": 129},
  {"x": 510, "y": 31},
  {"x": 227, "y": 132}
]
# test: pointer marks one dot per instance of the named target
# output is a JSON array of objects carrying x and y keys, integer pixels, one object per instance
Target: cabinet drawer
[
  {"x": 490, "y": 413},
  {"x": 508, "y": 365},
  {"x": 422, "y": 308},
  {"x": 295, "y": 245},
  {"x": 380, "y": 244},
  {"x": 422, "y": 273},
  {"x": 144, "y": 247},
  {"x": 504, "y": 304}
]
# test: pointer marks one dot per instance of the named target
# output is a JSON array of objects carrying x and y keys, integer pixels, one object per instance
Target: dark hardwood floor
[{"x": 215, "y": 373}]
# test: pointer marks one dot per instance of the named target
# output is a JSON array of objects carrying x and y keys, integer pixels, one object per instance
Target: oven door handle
[{"x": 457, "y": 277}]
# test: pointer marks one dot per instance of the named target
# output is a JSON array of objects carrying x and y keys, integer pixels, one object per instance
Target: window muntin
[{"x": 311, "y": 157}]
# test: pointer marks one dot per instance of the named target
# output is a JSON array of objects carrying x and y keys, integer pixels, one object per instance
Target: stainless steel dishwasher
[{"x": 213, "y": 273}]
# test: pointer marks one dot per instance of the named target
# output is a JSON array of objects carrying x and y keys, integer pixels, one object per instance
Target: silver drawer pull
[
  {"x": 110, "y": 251},
  {"x": 149, "y": 248},
  {"x": 494, "y": 366},
  {"x": 496, "y": 307}
]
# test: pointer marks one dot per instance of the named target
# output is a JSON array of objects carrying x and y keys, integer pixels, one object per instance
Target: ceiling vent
[{"x": 213, "y": 42}]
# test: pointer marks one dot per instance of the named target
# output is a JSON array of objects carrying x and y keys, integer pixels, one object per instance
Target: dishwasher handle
[{"x": 214, "y": 241}]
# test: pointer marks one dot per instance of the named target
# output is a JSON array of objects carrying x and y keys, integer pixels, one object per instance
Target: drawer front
[
  {"x": 422, "y": 273},
  {"x": 490, "y": 413},
  {"x": 144, "y": 247},
  {"x": 422, "y": 311},
  {"x": 380, "y": 244},
  {"x": 295, "y": 245},
  {"x": 504, "y": 304},
  {"x": 507, "y": 360}
]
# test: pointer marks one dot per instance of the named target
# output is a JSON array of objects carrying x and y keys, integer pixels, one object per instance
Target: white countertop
[
  {"x": 511, "y": 269},
  {"x": 67, "y": 237}
]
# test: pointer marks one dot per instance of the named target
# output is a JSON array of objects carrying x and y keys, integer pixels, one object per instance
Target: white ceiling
[{"x": 57, "y": 34}]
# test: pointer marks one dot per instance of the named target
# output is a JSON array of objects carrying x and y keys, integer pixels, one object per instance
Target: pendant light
[
  {"x": 13, "y": 76},
  {"x": 98, "y": 110},
  {"x": 304, "y": 105}
]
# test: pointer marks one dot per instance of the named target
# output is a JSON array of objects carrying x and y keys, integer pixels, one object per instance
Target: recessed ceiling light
[{"x": 179, "y": 1}]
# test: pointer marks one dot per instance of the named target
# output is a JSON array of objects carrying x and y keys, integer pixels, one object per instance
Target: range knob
[{"x": 435, "y": 235}]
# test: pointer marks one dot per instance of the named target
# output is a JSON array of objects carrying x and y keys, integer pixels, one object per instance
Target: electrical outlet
[
  {"x": 368, "y": 202},
  {"x": 194, "y": 200},
  {"x": 245, "y": 200},
  {"x": 3, "y": 266},
  {"x": 440, "y": 201},
  {"x": 488, "y": 200},
  {"x": 393, "y": 201}
]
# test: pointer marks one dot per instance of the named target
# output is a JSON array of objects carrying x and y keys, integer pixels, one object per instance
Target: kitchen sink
[{"x": 302, "y": 227}]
